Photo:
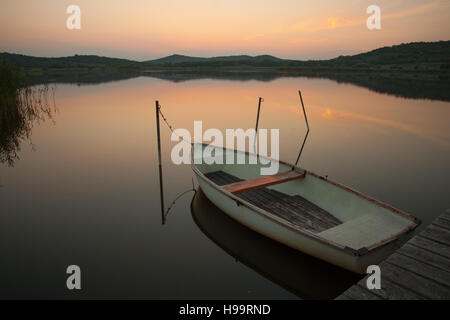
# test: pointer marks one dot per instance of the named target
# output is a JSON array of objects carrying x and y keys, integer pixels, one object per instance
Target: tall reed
[{"x": 20, "y": 107}]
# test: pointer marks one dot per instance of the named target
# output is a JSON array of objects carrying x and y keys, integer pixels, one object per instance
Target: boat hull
[
  {"x": 276, "y": 230},
  {"x": 328, "y": 221}
]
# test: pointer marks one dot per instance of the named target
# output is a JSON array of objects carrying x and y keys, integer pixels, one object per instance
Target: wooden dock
[{"x": 418, "y": 270}]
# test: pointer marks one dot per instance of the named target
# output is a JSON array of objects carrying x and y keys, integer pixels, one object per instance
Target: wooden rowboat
[{"x": 305, "y": 211}]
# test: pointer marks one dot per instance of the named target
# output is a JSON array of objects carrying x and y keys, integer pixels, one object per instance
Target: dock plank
[
  {"x": 425, "y": 256},
  {"x": 344, "y": 296},
  {"x": 359, "y": 293},
  {"x": 390, "y": 290},
  {"x": 442, "y": 222},
  {"x": 414, "y": 282},
  {"x": 434, "y": 247},
  {"x": 421, "y": 268},
  {"x": 438, "y": 234},
  {"x": 445, "y": 216}
]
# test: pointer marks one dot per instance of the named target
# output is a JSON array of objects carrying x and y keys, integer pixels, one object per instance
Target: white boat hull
[
  {"x": 383, "y": 228},
  {"x": 292, "y": 238}
]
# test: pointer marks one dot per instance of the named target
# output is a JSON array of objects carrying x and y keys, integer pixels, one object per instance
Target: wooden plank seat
[
  {"x": 263, "y": 181},
  {"x": 294, "y": 209}
]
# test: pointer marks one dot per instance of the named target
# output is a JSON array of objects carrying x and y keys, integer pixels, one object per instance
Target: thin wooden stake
[
  {"x": 257, "y": 122},
  {"x": 161, "y": 190},
  {"x": 307, "y": 127}
]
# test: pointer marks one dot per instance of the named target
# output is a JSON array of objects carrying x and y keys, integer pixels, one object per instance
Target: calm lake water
[{"x": 85, "y": 191}]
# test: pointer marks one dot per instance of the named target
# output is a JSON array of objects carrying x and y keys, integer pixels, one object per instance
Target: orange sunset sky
[{"x": 142, "y": 30}]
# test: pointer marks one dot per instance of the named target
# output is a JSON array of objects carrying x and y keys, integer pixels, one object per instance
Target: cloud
[
  {"x": 326, "y": 23},
  {"x": 320, "y": 24},
  {"x": 412, "y": 11},
  {"x": 331, "y": 23}
]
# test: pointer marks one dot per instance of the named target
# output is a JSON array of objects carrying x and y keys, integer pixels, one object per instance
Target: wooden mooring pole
[
  {"x": 161, "y": 190},
  {"x": 257, "y": 122},
  {"x": 307, "y": 127}
]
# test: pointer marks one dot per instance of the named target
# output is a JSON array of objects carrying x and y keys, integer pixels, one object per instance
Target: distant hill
[
  {"x": 416, "y": 52},
  {"x": 403, "y": 54},
  {"x": 76, "y": 61},
  {"x": 177, "y": 58},
  {"x": 422, "y": 56}
]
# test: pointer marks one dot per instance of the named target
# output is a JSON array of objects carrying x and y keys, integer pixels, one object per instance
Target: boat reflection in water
[{"x": 301, "y": 274}]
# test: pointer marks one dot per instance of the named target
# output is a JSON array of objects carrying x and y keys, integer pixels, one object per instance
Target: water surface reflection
[{"x": 89, "y": 193}]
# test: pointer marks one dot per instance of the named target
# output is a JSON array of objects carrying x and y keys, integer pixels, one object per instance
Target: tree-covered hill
[{"x": 434, "y": 54}]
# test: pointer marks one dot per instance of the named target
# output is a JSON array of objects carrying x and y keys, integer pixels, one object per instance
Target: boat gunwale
[{"x": 357, "y": 252}]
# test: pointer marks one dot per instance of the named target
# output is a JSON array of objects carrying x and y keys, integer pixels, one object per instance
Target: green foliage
[
  {"x": 9, "y": 81},
  {"x": 74, "y": 62},
  {"x": 412, "y": 54},
  {"x": 417, "y": 52}
]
